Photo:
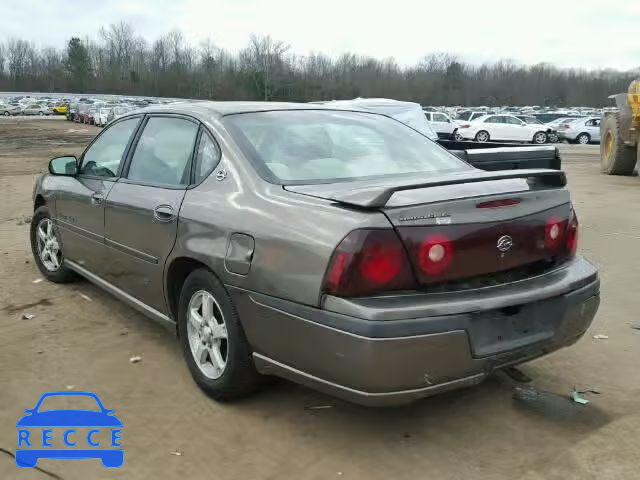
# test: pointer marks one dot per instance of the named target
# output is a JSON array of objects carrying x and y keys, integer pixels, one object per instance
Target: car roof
[{"x": 220, "y": 109}]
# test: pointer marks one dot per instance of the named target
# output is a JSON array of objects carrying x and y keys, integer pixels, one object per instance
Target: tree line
[{"x": 120, "y": 61}]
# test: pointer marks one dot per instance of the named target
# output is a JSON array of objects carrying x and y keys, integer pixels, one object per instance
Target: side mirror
[{"x": 67, "y": 166}]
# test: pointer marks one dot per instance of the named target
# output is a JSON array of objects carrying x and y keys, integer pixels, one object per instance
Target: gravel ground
[{"x": 81, "y": 337}]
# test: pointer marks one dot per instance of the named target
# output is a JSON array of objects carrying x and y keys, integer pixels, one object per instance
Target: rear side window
[
  {"x": 103, "y": 157},
  {"x": 163, "y": 152},
  {"x": 207, "y": 157}
]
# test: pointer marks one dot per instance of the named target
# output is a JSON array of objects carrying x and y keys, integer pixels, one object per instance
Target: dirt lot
[{"x": 82, "y": 338}]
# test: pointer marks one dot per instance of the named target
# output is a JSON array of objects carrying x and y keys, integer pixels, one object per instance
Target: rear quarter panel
[{"x": 295, "y": 234}]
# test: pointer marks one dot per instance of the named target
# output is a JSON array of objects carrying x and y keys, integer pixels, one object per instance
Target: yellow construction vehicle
[{"x": 620, "y": 132}]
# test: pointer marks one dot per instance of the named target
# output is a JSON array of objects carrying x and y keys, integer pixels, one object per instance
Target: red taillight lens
[
  {"x": 566, "y": 126},
  {"x": 466, "y": 125},
  {"x": 572, "y": 234},
  {"x": 435, "y": 254},
  {"x": 368, "y": 262},
  {"x": 505, "y": 202},
  {"x": 554, "y": 232}
]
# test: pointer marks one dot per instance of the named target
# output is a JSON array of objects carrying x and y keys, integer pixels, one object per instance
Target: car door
[
  {"x": 79, "y": 200},
  {"x": 141, "y": 217},
  {"x": 515, "y": 129},
  {"x": 495, "y": 126},
  {"x": 593, "y": 128},
  {"x": 441, "y": 124}
]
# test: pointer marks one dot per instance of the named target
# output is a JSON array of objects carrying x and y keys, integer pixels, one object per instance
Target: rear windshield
[{"x": 316, "y": 146}]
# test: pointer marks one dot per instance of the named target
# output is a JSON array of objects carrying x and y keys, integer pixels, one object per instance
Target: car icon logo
[
  {"x": 38, "y": 427},
  {"x": 505, "y": 243}
]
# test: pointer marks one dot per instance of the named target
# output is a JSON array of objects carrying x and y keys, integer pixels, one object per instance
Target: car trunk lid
[{"x": 460, "y": 226}]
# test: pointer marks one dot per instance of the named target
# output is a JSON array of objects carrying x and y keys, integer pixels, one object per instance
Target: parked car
[
  {"x": 552, "y": 134},
  {"x": 505, "y": 128},
  {"x": 101, "y": 116},
  {"x": 36, "y": 109},
  {"x": 581, "y": 130},
  {"x": 82, "y": 112},
  {"x": 60, "y": 108},
  {"x": 117, "y": 112},
  {"x": 9, "y": 110},
  {"x": 339, "y": 249},
  {"x": 443, "y": 125},
  {"x": 89, "y": 117}
]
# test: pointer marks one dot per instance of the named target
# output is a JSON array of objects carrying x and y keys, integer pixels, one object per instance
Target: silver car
[
  {"x": 36, "y": 109},
  {"x": 339, "y": 249},
  {"x": 581, "y": 130}
]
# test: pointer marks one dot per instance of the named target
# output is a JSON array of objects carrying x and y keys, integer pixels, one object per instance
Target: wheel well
[
  {"x": 38, "y": 202},
  {"x": 177, "y": 273}
]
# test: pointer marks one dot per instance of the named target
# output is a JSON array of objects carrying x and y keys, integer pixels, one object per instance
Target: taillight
[
  {"x": 505, "y": 202},
  {"x": 572, "y": 234},
  {"x": 566, "y": 126},
  {"x": 554, "y": 232},
  {"x": 368, "y": 261},
  {"x": 435, "y": 254},
  {"x": 465, "y": 125}
]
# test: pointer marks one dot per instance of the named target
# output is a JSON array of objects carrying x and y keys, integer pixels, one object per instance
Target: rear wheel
[
  {"x": 457, "y": 137},
  {"x": 583, "y": 139},
  {"x": 540, "y": 138},
  {"x": 213, "y": 342},
  {"x": 6, "y": 113},
  {"x": 616, "y": 158},
  {"x": 482, "y": 136}
]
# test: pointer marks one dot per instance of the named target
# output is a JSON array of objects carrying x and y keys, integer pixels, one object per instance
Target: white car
[
  {"x": 442, "y": 123},
  {"x": 580, "y": 130},
  {"x": 503, "y": 128},
  {"x": 101, "y": 117}
]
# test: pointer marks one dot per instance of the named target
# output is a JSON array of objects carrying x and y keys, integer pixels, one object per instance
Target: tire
[
  {"x": 457, "y": 137},
  {"x": 482, "y": 136},
  {"x": 238, "y": 377},
  {"x": 58, "y": 275},
  {"x": 41, "y": 114},
  {"x": 540, "y": 138},
  {"x": 553, "y": 138},
  {"x": 616, "y": 158},
  {"x": 583, "y": 138},
  {"x": 7, "y": 114}
]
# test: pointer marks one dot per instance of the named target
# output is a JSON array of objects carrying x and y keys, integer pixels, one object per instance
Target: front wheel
[
  {"x": 482, "y": 136},
  {"x": 457, "y": 137},
  {"x": 47, "y": 248},
  {"x": 6, "y": 114},
  {"x": 539, "y": 138},
  {"x": 583, "y": 139},
  {"x": 213, "y": 342}
]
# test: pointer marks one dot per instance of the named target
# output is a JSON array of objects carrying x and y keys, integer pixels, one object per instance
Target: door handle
[
  {"x": 96, "y": 199},
  {"x": 164, "y": 213}
]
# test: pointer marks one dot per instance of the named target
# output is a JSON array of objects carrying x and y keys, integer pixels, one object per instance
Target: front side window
[
  {"x": 493, "y": 119},
  {"x": 438, "y": 117},
  {"x": 163, "y": 153},
  {"x": 316, "y": 146},
  {"x": 103, "y": 157}
]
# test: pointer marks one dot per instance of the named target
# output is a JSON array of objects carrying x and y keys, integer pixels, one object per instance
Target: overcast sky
[{"x": 567, "y": 33}]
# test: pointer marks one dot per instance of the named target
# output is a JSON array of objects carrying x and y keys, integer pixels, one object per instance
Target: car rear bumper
[{"x": 389, "y": 355}]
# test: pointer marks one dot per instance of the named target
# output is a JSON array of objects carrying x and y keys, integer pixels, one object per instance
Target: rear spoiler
[{"x": 376, "y": 194}]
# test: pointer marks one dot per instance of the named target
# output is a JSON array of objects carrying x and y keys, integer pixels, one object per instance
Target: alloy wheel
[
  {"x": 207, "y": 334},
  {"x": 583, "y": 139},
  {"x": 540, "y": 138},
  {"x": 48, "y": 245}
]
